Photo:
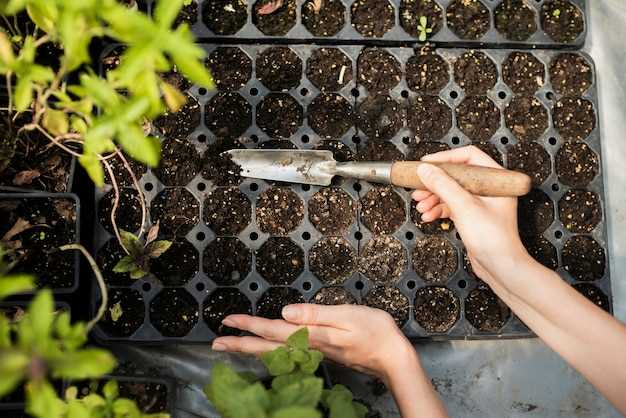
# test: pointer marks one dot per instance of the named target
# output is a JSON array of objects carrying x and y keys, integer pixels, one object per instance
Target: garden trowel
[{"x": 319, "y": 168}]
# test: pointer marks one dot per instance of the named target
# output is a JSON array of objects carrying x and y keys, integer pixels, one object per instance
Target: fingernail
[
  {"x": 228, "y": 322},
  {"x": 218, "y": 346},
  {"x": 424, "y": 170},
  {"x": 290, "y": 313}
]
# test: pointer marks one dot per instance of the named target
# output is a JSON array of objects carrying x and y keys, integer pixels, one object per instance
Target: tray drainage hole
[
  {"x": 409, "y": 235},
  {"x": 200, "y": 236},
  {"x": 202, "y": 138},
  {"x": 202, "y": 91},
  {"x": 555, "y": 187},
  {"x": 254, "y": 286},
  {"x": 406, "y": 140},
  {"x": 550, "y": 95},
  {"x": 254, "y": 187},
  {"x": 462, "y": 284},
  {"x": 306, "y": 187},
  {"x": 457, "y": 236},
  {"x": 201, "y": 187},
  {"x": 355, "y": 92},
  {"x": 356, "y": 139},
  {"x": 404, "y": 94},
  {"x": 305, "y": 139},
  {"x": 359, "y": 285},
  {"x": 306, "y": 286},
  {"x": 552, "y": 141},
  {"x": 411, "y": 284},
  {"x": 306, "y": 236},
  {"x": 358, "y": 235},
  {"x": 254, "y": 91},
  {"x": 148, "y": 187},
  {"x": 254, "y": 138},
  {"x": 146, "y": 287},
  {"x": 558, "y": 234},
  {"x": 357, "y": 187},
  {"x": 254, "y": 236},
  {"x": 304, "y": 92},
  {"x": 456, "y": 140},
  {"x": 454, "y": 94},
  {"x": 200, "y": 286},
  {"x": 504, "y": 140},
  {"x": 502, "y": 95}
]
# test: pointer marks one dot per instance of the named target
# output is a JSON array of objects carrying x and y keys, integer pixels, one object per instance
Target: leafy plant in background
[
  {"x": 423, "y": 29},
  {"x": 294, "y": 392},
  {"x": 137, "y": 262}
]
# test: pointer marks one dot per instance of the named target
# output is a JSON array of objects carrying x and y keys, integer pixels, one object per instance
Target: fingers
[
  {"x": 463, "y": 155},
  {"x": 247, "y": 345},
  {"x": 340, "y": 316},
  {"x": 428, "y": 203},
  {"x": 440, "y": 211},
  {"x": 448, "y": 190},
  {"x": 419, "y": 195}
]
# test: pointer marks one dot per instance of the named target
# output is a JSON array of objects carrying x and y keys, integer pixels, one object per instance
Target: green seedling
[
  {"x": 423, "y": 29},
  {"x": 137, "y": 262},
  {"x": 556, "y": 13}
]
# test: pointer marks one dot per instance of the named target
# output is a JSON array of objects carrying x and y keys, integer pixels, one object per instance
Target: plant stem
[
  {"x": 116, "y": 202},
  {"x": 9, "y": 92},
  {"x": 55, "y": 141},
  {"x": 142, "y": 197}
]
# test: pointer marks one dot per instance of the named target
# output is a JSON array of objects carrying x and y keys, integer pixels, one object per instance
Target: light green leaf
[
  {"x": 16, "y": 283},
  {"x": 7, "y": 58},
  {"x": 296, "y": 412},
  {"x": 138, "y": 273},
  {"x": 23, "y": 94},
  {"x": 116, "y": 311},
  {"x": 422, "y": 36},
  {"x": 13, "y": 366},
  {"x": 94, "y": 169},
  {"x": 77, "y": 409},
  {"x": 5, "y": 332},
  {"x": 42, "y": 400},
  {"x": 111, "y": 390},
  {"x": 125, "y": 408},
  {"x": 125, "y": 265},
  {"x": 15, "y": 6},
  {"x": 83, "y": 364},
  {"x": 279, "y": 382},
  {"x": 132, "y": 243},
  {"x": 145, "y": 149},
  {"x": 306, "y": 392},
  {"x": 40, "y": 318},
  {"x": 56, "y": 122},
  {"x": 156, "y": 248},
  {"x": 173, "y": 97},
  {"x": 235, "y": 397},
  {"x": 166, "y": 11},
  {"x": 299, "y": 339},
  {"x": 194, "y": 70},
  {"x": 78, "y": 125},
  {"x": 315, "y": 358},
  {"x": 423, "y": 21},
  {"x": 300, "y": 356},
  {"x": 44, "y": 14},
  {"x": 278, "y": 361}
]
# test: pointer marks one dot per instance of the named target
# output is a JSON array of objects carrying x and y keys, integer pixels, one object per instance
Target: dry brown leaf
[
  {"x": 65, "y": 209},
  {"x": 153, "y": 233},
  {"x": 317, "y": 5},
  {"x": 25, "y": 177},
  {"x": 270, "y": 7},
  {"x": 18, "y": 227}
]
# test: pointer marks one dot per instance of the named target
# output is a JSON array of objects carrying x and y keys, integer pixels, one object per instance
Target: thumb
[{"x": 438, "y": 182}]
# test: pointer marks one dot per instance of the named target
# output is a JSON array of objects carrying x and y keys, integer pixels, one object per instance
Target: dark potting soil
[
  {"x": 221, "y": 169},
  {"x": 574, "y": 118},
  {"x": 279, "y": 68},
  {"x": 436, "y": 308},
  {"x": 475, "y": 72},
  {"x": 429, "y": 117},
  {"x": 532, "y": 159},
  {"x": 434, "y": 259},
  {"x": 330, "y": 115},
  {"x": 417, "y": 150},
  {"x": 468, "y": 19},
  {"x": 275, "y": 299},
  {"x": 391, "y": 300},
  {"x": 279, "y": 211},
  {"x": 570, "y": 74},
  {"x": 535, "y": 213},
  {"x": 227, "y": 261},
  {"x": 580, "y": 211},
  {"x": 440, "y": 226},
  {"x": 108, "y": 256},
  {"x": 486, "y": 311},
  {"x": 478, "y": 118},
  {"x": 177, "y": 265},
  {"x": 333, "y": 295},
  {"x": 188, "y": 14},
  {"x": 221, "y": 23},
  {"x": 491, "y": 150},
  {"x": 280, "y": 261},
  {"x": 227, "y": 211},
  {"x": 332, "y": 260},
  {"x": 181, "y": 124},
  {"x": 124, "y": 314},
  {"x": 576, "y": 164},
  {"x": 561, "y": 20},
  {"x": 380, "y": 117},
  {"x": 176, "y": 79},
  {"x": 379, "y": 151},
  {"x": 341, "y": 152},
  {"x": 523, "y": 72},
  {"x": 113, "y": 59},
  {"x": 151, "y": 397},
  {"x": 584, "y": 258},
  {"x": 377, "y": 70},
  {"x": 121, "y": 174},
  {"x": 542, "y": 250},
  {"x": 128, "y": 213},
  {"x": 427, "y": 72},
  {"x": 174, "y": 312},
  {"x": 220, "y": 304},
  {"x": 279, "y": 115},
  {"x": 526, "y": 117},
  {"x": 594, "y": 294},
  {"x": 327, "y": 21},
  {"x": 383, "y": 259},
  {"x": 177, "y": 211},
  {"x": 411, "y": 11},
  {"x": 180, "y": 162},
  {"x": 277, "y": 23},
  {"x": 372, "y": 18},
  {"x": 515, "y": 20},
  {"x": 228, "y": 115},
  {"x": 230, "y": 67},
  {"x": 382, "y": 210},
  {"x": 329, "y": 69},
  {"x": 277, "y": 144},
  {"x": 331, "y": 210}
]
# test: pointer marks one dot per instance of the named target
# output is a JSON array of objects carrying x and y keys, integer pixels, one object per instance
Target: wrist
[{"x": 403, "y": 362}]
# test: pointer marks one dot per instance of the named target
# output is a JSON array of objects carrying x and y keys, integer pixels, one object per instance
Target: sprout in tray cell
[
  {"x": 329, "y": 69},
  {"x": 523, "y": 73},
  {"x": 532, "y": 159},
  {"x": 230, "y": 67},
  {"x": 427, "y": 72},
  {"x": 124, "y": 314},
  {"x": 421, "y": 18},
  {"x": 468, "y": 19},
  {"x": 333, "y": 295},
  {"x": 221, "y": 303},
  {"x": 225, "y": 17},
  {"x": 562, "y": 21},
  {"x": 279, "y": 68},
  {"x": 332, "y": 260},
  {"x": 372, "y": 18},
  {"x": 274, "y": 17},
  {"x": 515, "y": 19},
  {"x": 227, "y": 261},
  {"x": 323, "y": 17},
  {"x": 391, "y": 300}
]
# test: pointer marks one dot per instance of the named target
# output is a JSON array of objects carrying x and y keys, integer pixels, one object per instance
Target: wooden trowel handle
[{"x": 482, "y": 181}]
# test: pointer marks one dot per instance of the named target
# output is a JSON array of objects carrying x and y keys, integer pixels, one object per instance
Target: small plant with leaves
[
  {"x": 294, "y": 392},
  {"x": 423, "y": 30},
  {"x": 556, "y": 13},
  {"x": 137, "y": 262}
]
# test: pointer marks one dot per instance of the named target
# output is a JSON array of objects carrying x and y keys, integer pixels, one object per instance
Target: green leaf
[
  {"x": 315, "y": 358},
  {"x": 16, "y": 283},
  {"x": 280, "y": 382},
  {"x": 194, "y": 70},
  {"x": 83, "y": 364},
  {"x": 116, "y": 311},
  {"x": 78, "y": 125},
  {"x": 299, "y": 339},
  {"x": 138, "y": 273},
  {"x": 7, "y": 58},
  {"x": 56, "y": 122},
  {"x": 296, "y": 412},
  {"x": 92, "y": 166},
  {"x": 145, "y": 149},
  {"x": 166, "y": 11},
  {"x": 126, "y": 408},
  {"x": 361, "y": 410},
  {"x": 306, "y": 392},
  {"x": 173, "y": 97},
  {"x": 13, "y": 367},
  {"x": 111, "y": 390},
  {"x": 5, "y": 332},
  {"x": 23, "y": 94},
  {"x": 77, "y": 409},
  {"x": 422, "y": 36},
  {"x": 156, "y": 248},
  {"x": 125, "y": 265},
  {"x": 300, "y": 356},
  {"x": 42, "y": 400},
  {"x": 423, "y": 21},
  {"x": 44, "y": 14},
  {"x": 278, "y": 361},
  {"x": 40, "y": 318},
  {"x": 131, "y": 243}
]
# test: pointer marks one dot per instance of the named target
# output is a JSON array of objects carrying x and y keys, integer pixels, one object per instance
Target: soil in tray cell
[
  {"x": 177, "y": 265},
  {"x": 326, "y": 20},
  {"x": 332, "y": 260},
  {"x": 379, "y": 117},
  {"x": 584, "y": 258},
  {"x": 434, "y": 259},
  {"x": 391, "y": 300},
  {"x": 377, "y": 70},
  {"x": 227, "y": 211},
  {"x": 220, "y": 304},
  {"x": 411, "y": 11},
  {"x": 570, "y": 74},
  {"x": 341, "y": 152},
  {"x": 331, "y": 210},
  {"x": 541, "y": 250},
  {"x": 275, "y": 299},
  {"x": 128, "y": 213},
  {"x": 382, "y": 210},
  {"x": 532, "y": 159},
  {"x": 221, "y": 169},
  {"x": 121, "y": 174},
  {"x": 230, "y": 67},
  {"x": 576, "y": 164},
  {"x": 279, "y": 211},
  {"x": 427, "y": 72},
  {"x": 280, "y": 261},
  {"x": 329, "y": 69},
  {"x": 561, "y": 20},
  {"x": 379, "y": 151},
  {"x": 468, "y": 19},
  {"x": 478, "y": 118},
  {"x": 440, "y": 226},
  {"x": 333, "y": 295},
  {"x": 279, "y": 68},
  {"x": 436, "y": 308},
  {"x": 228, "y": 115},
  {"x": 330, "y": 115},
  {"x": 108, "y": 256},
  {"x": 383, "y": 259},
  {"x": 515, "y": 19},
  {"x": 225, "y": 17},
  {"x": 279, "y": 115},
  {"x": 151, "y": 397},
  {"x": 421, "y": 149},
  {"x": 523, "y": 73},
  {"x": 429, "y": 117},
  {"x": 574, "y": 118},
  {"x": 180, "y": 162},
  {"x": 594, "y": 294},
  {"x": 176, "y": 79},
  {"x": 580, "y": 211},
  {"x": 475, "y": 72},
  {"x": 274, "y": 21},
  {"x": 124, "y": 314},
  {"x": 535, "y": 213},
  {"x": 177, "y": 211},
  {"x": 491, "y": 150},
  {"x": 227, "y": 261},
  {"x": 174, "y": 312},
  {"x": 372, "y": 18},
  {"x": 526, "y": 117},
  {"x": 188, "y": 14},
  {"x": 181, "y": 124},
  {"x": 485, "y": 311}
]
